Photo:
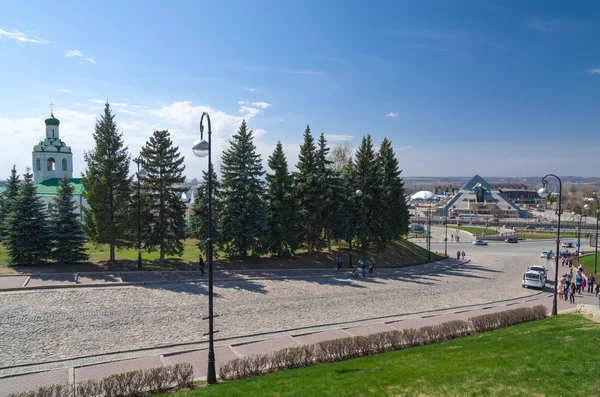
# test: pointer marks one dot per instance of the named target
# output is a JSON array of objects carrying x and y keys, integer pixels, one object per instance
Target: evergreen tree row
[
  {"x": 306, "y": 209},
  {"x": 254, "y": 212},
  {"x": 31, "y": 234}
]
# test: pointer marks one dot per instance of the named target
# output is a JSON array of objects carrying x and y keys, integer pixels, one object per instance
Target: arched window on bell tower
[
  {"x": 38, "y": 165},
  {"x": 64, "y": 164},
  {"x": 51, "y": 164}
]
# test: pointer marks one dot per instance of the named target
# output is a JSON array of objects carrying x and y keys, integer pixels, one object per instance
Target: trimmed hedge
[
  {"x": 359, "y": 346},
  {"x": 129, "y": 384}
]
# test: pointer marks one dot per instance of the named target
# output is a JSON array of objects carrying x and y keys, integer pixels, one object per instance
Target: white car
[
  {"x": 533, "y": 279},
  {"x": 479, "y": 242},
  {"x": 544, "y": 255},
  {"x": 540, "y": 269},
  {"x": 566, "y": 244}
]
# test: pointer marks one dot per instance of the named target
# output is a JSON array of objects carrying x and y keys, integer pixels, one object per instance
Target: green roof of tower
[{"x": 52, "y": 120}]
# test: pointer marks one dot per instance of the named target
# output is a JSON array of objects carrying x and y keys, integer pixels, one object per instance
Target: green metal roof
[
  {"x": 50, "y": 187},
  {"x": 52, "y": 120}
]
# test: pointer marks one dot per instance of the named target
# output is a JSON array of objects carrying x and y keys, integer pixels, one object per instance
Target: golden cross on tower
[{"x": 51, "y": 108}]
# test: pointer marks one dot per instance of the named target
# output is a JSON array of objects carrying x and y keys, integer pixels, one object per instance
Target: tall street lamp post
[
  {"x": 446, "y": 236},
  {"x": 587, "y": 207},
  {"x": 358, "y": 194},
  {"x": 202, "y": 149},
  {"x": 141, "y": 174},
  {"x": 579, "y": 217},
  {"x": 544, "y": 192},
  {"x": 429, "y": 215}
]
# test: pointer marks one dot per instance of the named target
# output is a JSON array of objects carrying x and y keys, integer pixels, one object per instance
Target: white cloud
[
  {"x": 338, "y": 137},
  {"x": 74, "y": 53},
  {"x": 259, "y": 132},
  {"x": 22, "y": 37},
  {"x": 64, "y": 91},
  {"x": 137, "y": 122},
  {"x": 77, "y": 53},
  {"x": 595, "y": 71},
  {"x": 392, "y": 114},
  {"x": 250, "y": 89},
  {"x": 249, "y": 111},
  {"x": 262, "y": 105}
]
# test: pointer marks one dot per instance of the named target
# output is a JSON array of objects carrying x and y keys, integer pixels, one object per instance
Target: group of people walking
[
  {"x": 567, "y": 260},
  {"x": 571, "y": 284},
  {"x": 459, "y": 254}
]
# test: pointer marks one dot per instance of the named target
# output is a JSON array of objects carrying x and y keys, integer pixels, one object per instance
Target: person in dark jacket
[{"x": 201, "y": 264}]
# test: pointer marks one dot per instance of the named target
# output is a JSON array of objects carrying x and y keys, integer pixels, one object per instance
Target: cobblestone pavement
[{"x": 47, "y": 325}]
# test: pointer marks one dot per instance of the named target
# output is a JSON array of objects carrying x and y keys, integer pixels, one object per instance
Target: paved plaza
[{"x": 57, "y": 328}]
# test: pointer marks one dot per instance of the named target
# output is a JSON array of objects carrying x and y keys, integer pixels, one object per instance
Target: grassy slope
[
  {"x": 556, "y": 356},
  {"x": 475, "y": 230},
  {"x": 397, "y": 254}
]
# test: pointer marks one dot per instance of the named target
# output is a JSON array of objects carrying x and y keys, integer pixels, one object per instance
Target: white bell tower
[{"x": 51, "y": 158}]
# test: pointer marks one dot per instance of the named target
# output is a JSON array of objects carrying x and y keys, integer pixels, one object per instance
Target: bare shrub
[
  {"x": 225, "y": 371},
  {"x": 157, "y": 379},
  {"x": 90, "y": 388},
  {"x": 412, "y": 337},
  {"x": 183, "y": 375}
]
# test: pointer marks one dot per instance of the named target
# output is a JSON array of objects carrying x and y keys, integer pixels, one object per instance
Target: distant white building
[{"x": 479, "y": 198}]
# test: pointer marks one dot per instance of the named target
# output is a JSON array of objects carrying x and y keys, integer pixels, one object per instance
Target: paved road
[{"x": 52, "y": 324}]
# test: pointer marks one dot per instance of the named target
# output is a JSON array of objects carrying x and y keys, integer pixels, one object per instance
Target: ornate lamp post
[
  {"x": 141, "y": 174},
  {"x": 544, "y": 193},
  {"x": 587, "y": 207},
  {"x": 358, "y": 193},
  {"x": 202, "y": 149}
]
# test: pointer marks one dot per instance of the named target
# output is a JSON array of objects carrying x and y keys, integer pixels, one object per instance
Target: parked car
[
  {"x": 547, "y": 228},
  {"x": 533, "y": 279},
  {"x": 530, "y": 227},
  {"x": 566, "y": 244},
  {"x": 511, "y": 240},
  {"x": 544, "y": 254},
  {"x": 540, "y": 269},
  {"x": 479, "y": 242}
]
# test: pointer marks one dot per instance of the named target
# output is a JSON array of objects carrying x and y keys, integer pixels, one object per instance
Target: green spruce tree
[
  {"x": 68, "y": 239},
  {"x": 330, "y": 187},
  {"x": 394, "y": 200},
  {"x": 283, "y": 206},
  {"x": 310, "y": 195},
  {"x": 199, "y": 212},
  {"x": 244, "y": 208},
  {"x": 350, "y": 216},
  {"x": 107, "y": 187},
  {"x": 8, "y": 196},
  {"x": 163, "y": 186},
  {"x": 370, "y": 213},
  {"x": 28, "y": 239}
]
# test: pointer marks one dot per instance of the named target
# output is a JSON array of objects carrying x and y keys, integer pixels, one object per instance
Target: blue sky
[{"x": 460, "y": 87}]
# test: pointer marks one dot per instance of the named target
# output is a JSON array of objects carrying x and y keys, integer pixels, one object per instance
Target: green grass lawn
[
  {"x": 545, "y": 235},
  {"x": 397, "y": 254},
  {"x": 476, "y": 231},
  {"x": 553, "y": 357}
]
